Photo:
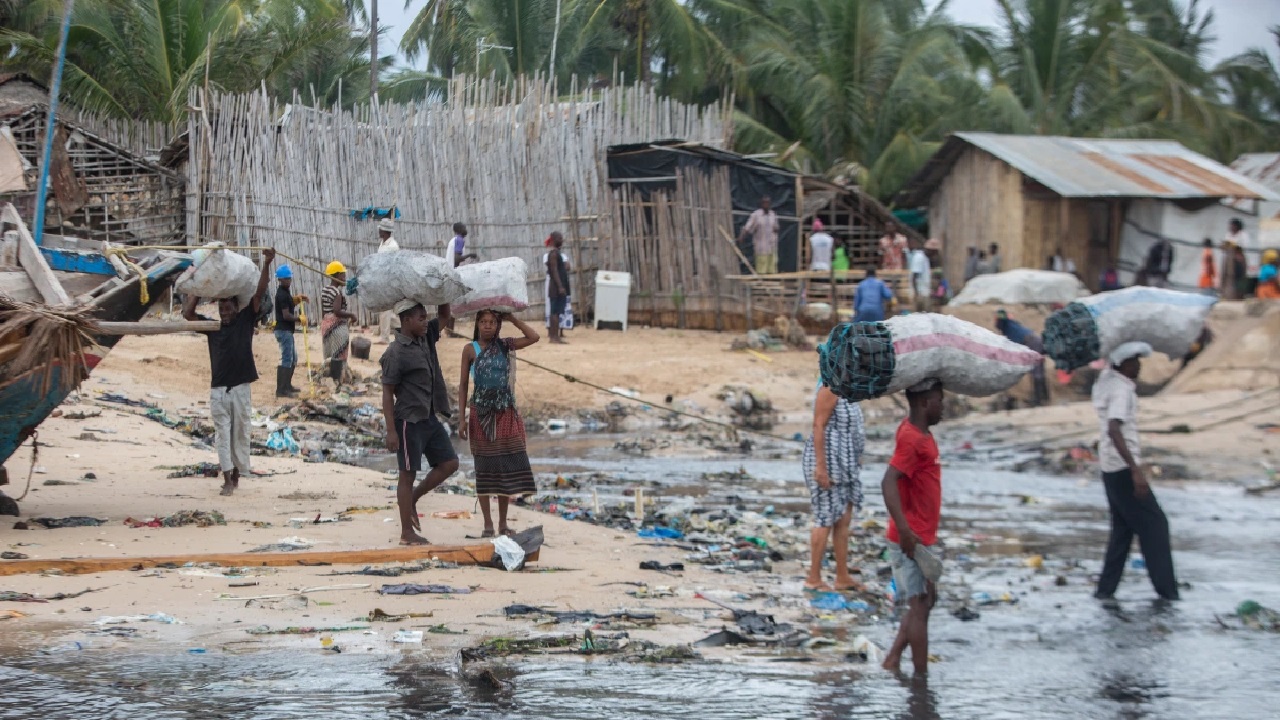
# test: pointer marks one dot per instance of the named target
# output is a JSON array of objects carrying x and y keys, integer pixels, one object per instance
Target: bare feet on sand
[{"x": 413, "y": 539}]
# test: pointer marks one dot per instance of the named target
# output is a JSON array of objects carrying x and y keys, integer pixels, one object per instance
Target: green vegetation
[{"x": 857, "y": 89}]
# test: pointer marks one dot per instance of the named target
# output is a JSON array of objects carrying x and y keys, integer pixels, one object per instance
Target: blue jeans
[
  {"x": 288, "y": 354},
  {"x": 870, "y": 315}
]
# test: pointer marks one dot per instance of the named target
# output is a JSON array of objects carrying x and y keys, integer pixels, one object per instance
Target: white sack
[
  {"x": 967, "y": 358},
  {"x": 509, "y": 551},
  {"x": 1167, "y": 320},
  {"x": 219, "y": 272},
  {"x": 1021, "y": 287},
  {"x": 386, "y": 278},
  {"x": 501, "y": 285}
]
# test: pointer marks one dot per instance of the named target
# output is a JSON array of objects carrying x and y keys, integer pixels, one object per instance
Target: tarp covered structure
[{"x": 652, "y": 167}]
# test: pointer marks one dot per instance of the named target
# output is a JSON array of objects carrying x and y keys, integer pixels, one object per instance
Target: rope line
[{"x": 682, "y": 413}]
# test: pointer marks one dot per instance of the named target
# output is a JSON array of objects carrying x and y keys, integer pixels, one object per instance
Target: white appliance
[{"x": 613, "y": 296}]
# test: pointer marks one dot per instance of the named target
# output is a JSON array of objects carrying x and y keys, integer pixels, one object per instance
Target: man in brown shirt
[{"x": 413, "y": 393}]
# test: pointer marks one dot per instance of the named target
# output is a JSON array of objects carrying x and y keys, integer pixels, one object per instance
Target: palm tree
[
  {"x": 141, "y": 59},
  {"x": 865, "y": 87}
]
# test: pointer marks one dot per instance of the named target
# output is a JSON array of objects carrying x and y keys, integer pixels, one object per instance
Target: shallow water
[{"x": 1056, "y": 654}]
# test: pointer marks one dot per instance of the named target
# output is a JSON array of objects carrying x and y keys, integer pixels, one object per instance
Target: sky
[{"x": 1238, "y": 24}]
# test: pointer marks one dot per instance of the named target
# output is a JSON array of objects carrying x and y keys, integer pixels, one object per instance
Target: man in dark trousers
[
  {"x": 231, "y": 360},
  {"x": 558, "y": 287},
  {"x": 286, "y": 322},
  {"x": 1025, "y": 336},
  {"x": 1159, "y": 263},
  {"x": 1134, "y": 510},
  {"x": 413, "y": 394}
]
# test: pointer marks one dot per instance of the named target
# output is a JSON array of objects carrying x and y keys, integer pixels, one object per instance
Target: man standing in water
[
  {"x": 413, "y": 393},
  {"x": 1134, "y": 510},
  {"x": 912, "y": 489},
  {"x": 233, "y": 371}
]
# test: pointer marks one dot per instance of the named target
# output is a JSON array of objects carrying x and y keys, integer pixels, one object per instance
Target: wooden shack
[
  {"x": 676, "y": 208},
  {"x": 99, "y": 189},
  {"x": 1097, "y": 201}
]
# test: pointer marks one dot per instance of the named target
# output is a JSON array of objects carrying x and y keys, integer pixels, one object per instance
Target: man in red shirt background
[{"x": 912, "y": 488}]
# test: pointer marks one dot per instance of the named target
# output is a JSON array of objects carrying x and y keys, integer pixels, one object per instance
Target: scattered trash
[
  {"x": 282, "y": 441},
  {"x": 1138, "y": 563},
  {"x": 122, "y": 619},
  {"x": 68, "y": 522},
  {"x": 298, "y": 495},
  {"x": 412, "y": 589},
  {"x": 12, "y": 615},
  {"x": 965, "y": 614},
  {"x": 721, "y": 639},
  {"x": 182, "y": 518},
  {"x": 408, "y": 636},
  {"x": 1258, "y": 617},
  {"x": 289, "y": 544},
  {"x": 380, "y": 615},
  {"x": 7, "y": 555},
  {"x": 510, "y": 552},
  {"x": 196, "y": 651},
  {"x": 655, "y": 565},
  {"x": 661, "y": 532},
  {"x": 451, "y": 515},
  {"x": 12, "y": 596},
  {"x": 203, "y": 469},
  {"x": 303, "y": 630}
]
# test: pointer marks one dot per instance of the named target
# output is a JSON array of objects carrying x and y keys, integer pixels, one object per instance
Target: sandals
[{"x": 487, "y": 534}]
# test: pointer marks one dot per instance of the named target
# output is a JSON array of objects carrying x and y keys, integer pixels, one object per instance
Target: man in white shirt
[
  {"x": 763, "y": 228},
  {"x": 820, "y": 248},
  {"x": 1134, "y": 510},
  {"x": 456, "y": 250},
  {"x": 921, "y": 277},
  {"x": 387, "y": 321},
  {"x": 1062, "y": 263}
]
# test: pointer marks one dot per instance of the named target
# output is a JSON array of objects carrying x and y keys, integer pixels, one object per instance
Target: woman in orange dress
[{"x": 1208, "y": 273}]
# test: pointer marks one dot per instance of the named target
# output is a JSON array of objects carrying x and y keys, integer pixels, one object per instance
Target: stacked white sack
[
  {"x": 219, "y": 272},
  {"x": 385, "y": 279},
  {"x": 501, "y": 285},
  {"x": 967, "y": 358}
]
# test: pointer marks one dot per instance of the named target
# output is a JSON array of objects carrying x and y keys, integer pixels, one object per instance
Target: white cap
[
  {"x": 387, "y": 224},
  {"x": 1129, "y": 350},
  {"x": 403, "y": 305}
]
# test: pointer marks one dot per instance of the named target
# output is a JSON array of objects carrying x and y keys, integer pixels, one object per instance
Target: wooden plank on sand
[{"x": 461, "y": 554}]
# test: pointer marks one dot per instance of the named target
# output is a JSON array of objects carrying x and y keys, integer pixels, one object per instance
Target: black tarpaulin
[{"x": 653, "y": 167}]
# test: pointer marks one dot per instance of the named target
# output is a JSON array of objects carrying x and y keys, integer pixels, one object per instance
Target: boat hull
[{"x": 25, "y": 402}]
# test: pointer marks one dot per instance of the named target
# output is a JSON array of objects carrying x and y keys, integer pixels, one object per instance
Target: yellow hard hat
[
  {"x": 334, "y": 268},
  {"x": 1270, "y": 256}
]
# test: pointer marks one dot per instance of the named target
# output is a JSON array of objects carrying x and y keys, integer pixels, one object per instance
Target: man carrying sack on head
[{"x": 387, "y": 321}]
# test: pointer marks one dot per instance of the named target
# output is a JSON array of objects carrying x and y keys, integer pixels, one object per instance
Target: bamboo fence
[
  {"x": 676, "y": 244},
  {"x": 508, "y": 159}
]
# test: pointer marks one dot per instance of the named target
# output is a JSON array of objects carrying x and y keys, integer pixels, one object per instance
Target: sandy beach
[{"x": 115, "y": 464}]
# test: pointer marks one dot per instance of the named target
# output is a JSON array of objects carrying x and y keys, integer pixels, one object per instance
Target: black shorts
[
  {"x": 430, "y": 438},
  {"x": 558, "y": 303}
]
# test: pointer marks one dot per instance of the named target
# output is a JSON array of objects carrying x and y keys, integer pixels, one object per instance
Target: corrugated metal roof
[
  {"x": 1090, "y": 167},
  {"x": 1260, "y": 167},
  {"x": 1086, "y": 167}
]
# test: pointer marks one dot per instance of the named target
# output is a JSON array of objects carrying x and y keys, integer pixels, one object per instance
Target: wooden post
[
  {"x": 680, "y": 307},
  {"x": 750, "y": 302}
]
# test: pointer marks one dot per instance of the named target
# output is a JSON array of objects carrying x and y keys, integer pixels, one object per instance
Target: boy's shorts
[
  {"x": 906, "y": 573},
  {"x": 429, "y": 438}
]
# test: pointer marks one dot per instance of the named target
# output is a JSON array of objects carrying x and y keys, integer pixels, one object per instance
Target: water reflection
[{"x": 921, "y": 703}]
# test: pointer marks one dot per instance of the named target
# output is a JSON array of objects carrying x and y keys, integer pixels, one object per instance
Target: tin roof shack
[
  {"x": 98, "y": 189},
  {"x": 1103, "y": 202}
]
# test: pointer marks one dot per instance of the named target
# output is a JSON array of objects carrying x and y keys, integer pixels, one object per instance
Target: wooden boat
[{"x": 61, "y": 312}]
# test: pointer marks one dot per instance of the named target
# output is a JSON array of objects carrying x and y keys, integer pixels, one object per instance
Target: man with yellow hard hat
[{"x": 334, "y": 331}]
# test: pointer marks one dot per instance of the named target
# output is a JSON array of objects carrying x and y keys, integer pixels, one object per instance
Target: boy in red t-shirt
[{"x": 912, "y": 488}]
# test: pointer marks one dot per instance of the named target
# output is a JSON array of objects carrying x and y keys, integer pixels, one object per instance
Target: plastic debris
[
  {"x": 67, "y": 522},
  {"x": 510, "y": 552},
  {"x": 413, "y": 589},
  {"x": 408, "y": 636},
  {"x": 122, "y": 619}
]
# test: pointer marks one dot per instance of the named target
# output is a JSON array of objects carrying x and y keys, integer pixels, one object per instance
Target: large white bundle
[
  {"x": 967, "y": 358},
  {"x": 860, "y": 361},
  {"x": 219, "y": 272},
  {"x": 501, "y": 285},
  {"x": 1167, "y": 320},
  {"x": 1021, "y": 287},
  {"x": 384, "y": 279}
]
